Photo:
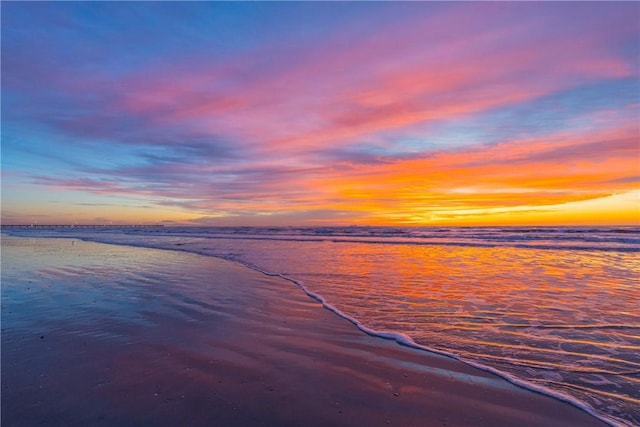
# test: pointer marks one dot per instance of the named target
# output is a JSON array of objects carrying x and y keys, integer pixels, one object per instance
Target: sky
[{"x": 321, "y": 113}]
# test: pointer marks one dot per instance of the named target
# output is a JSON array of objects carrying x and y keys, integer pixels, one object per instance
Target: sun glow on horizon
[{"x": 343, "y": 113}]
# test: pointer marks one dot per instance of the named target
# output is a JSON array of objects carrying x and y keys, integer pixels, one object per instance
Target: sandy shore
[{"x": 105, "y": 335}]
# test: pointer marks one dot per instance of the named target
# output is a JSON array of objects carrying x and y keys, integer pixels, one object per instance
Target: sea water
[{"x": 553, "y": 309}]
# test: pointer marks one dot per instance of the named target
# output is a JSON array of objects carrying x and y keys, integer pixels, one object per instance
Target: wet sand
[{"x": 106, "y": 335}]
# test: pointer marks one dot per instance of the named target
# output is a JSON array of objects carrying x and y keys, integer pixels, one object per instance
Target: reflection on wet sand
[{"x": 107, "y": 335}]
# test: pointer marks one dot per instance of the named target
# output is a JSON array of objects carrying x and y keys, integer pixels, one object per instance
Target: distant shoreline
[
  {"x": 105, "y": 335},
  {"x": 82, "y": 226}
]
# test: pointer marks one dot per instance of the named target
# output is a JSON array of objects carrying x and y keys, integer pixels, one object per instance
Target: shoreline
[{"x": 275, "y": 329}]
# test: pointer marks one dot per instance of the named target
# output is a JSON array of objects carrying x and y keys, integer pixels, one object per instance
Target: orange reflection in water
[
  {"x": 500, "y": 278},
  {"x": 559, "y": 318}
]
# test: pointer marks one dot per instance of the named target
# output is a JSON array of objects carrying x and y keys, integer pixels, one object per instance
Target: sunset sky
[{"x": 269, "y": 113}]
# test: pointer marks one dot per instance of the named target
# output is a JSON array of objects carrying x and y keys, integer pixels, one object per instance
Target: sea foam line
[
  {"x": 398, "y": 337},
  {"x": 407, "y": 341}
]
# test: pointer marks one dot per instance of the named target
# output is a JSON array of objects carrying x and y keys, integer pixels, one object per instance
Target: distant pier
[{"x": 52, "y": 226}]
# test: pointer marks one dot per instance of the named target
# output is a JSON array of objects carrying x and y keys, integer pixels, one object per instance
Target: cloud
[
  {"x": 437, "y": 105},
  {"x": 278, "y": 218},
  {"x": 624, "y": 180}
]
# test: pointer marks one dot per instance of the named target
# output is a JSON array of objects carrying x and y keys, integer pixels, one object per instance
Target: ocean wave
[{"x": 259, "y": 249}]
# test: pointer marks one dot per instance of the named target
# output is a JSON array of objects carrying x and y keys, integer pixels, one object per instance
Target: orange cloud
[{"x": 515, "y": 175}]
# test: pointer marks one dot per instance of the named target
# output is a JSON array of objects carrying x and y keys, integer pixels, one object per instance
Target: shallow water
[{"x": 557, "y": 308}]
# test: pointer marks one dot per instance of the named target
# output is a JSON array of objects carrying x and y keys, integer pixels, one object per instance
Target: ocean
[{"x": 553, "y": 309}]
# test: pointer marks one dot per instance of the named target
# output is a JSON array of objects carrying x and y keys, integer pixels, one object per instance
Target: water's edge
[{"x": 399, "y": 338}]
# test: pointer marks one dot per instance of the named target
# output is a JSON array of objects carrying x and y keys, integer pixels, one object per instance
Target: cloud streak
[{"x": 436, "y": 107}]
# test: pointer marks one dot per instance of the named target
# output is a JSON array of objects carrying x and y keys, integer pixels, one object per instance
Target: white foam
[
  {"x": 406, "y": 340},
  {"x": 135, "y": 240}
]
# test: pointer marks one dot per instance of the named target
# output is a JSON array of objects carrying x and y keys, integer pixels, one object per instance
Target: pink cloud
[
  {"x": 252, "y": 130},
  {"x": 350, "y": 90}
]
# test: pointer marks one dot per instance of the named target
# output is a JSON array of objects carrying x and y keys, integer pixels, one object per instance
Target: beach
[{"x": 96, "y": 334}]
